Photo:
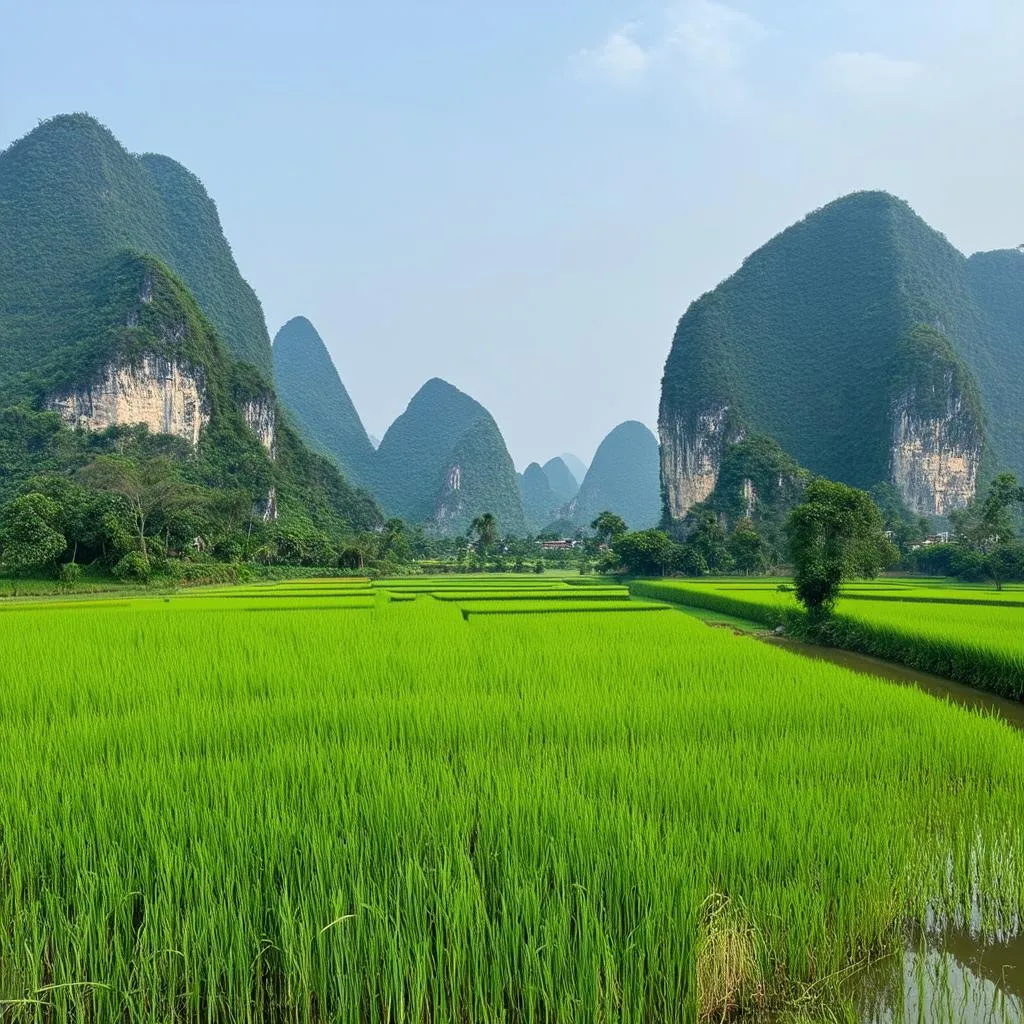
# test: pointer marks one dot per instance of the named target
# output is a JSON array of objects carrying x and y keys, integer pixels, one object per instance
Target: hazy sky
[{"x": 523, "y": 197}]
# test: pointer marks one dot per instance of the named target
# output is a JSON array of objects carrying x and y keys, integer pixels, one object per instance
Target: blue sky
[{"x": 524, "y": 197}]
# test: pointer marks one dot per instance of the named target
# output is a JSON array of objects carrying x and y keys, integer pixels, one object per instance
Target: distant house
[
  {"x": 936, "y": 538},
  {"x": 557, "y": 545}
]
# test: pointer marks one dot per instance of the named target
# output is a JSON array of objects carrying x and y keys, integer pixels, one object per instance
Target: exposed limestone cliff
[
  {"x": 935, "y": 459},
  {"x": 261, "y": 416},
  {"x": 691, "y": 458},
  {"x": 166, "y": 396},
  {"x": 450, "y": 504}
]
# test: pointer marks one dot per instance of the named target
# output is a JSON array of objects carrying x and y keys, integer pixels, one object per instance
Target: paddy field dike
[{"x": 509, "y": 798}]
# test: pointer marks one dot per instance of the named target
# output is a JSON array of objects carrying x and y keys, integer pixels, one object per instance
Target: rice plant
[{"x": 396, "y": 814}]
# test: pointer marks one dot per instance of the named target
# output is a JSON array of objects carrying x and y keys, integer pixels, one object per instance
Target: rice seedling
[
  {"x": 402, "y": 815},
  {"x": 976, "y": 643}
]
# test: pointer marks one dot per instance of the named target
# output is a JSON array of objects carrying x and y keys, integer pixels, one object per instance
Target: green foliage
[
  {"x": 608, "y": 527},
  {"x": 29, "y": 537},
  {"x": 646, "y": 553},
  {"x": 133, "y": 567},
  {"x": 835, "y": 535},
  {"x": 541, "y": 505},
  {"x": 624, "y": 478},
  {"x": 485, "y": 529},
  {"x": 747, "y": 549},
  {"x": 820, "y": 333},
  {"x": 442, "y": 429},
  {"x": 310, "y": 388},
  {"x": 71, "y": 199}
]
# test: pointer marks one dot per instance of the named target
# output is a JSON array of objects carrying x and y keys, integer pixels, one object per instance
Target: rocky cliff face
[
  {"x": 450, "y": 505},
  {"x": 935, "y": 459},
  {"x": 691, "y": 458},
  {"x": 166, "y": 396},
  {"x": 261, "y": 417}
]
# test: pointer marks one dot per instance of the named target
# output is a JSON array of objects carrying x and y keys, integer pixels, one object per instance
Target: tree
[
  {"x": 29, "y": 538},
  {"x": 394, "y": 544},
  {"x": 486, "y": 529},
  {"x": 150, "y": 490},
  {"x": 835, "y": 535},
  {"x": 748, "y": 549},
  {"x": 985, "y": 525},
  {"x": 707, "y": 539},
  {"x": 609, "y": 527},
  {"x": 646, "y": 552}
]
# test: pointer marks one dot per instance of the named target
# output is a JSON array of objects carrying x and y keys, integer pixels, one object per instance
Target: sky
[{"x": 524, "y": 197}]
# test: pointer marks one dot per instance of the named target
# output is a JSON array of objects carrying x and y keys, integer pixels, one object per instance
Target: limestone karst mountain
[
  {"x": 444, "y": 462},
  {"x": 123, "y": 312},
  {"x": 561, "y": 479},
  {"x": 867, "y": 347},
  {"x": 310, "y": 387},
  {"x": 541, "y": 504},
  {"x": 575, "y": 465},
  {"x": 623, "y": 478}
]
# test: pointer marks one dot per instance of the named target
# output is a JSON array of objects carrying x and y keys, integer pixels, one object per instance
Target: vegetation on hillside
[
  {"x": 72, "y": 198},
  {"x": 310, "y": 388},
  {"x": 624, "y": 477},
  {"x": 440, "y": 429},
  {"x": 807, "y": 341}
]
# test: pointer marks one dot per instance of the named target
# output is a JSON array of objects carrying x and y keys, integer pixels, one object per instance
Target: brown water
[{"x": 952, "y": 976}]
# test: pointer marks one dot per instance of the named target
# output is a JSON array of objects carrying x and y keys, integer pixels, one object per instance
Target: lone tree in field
[
  {"x": 835, "y": 535},
  {"x": 485, "y": 528},
  {"x": 609, "y": 527}
]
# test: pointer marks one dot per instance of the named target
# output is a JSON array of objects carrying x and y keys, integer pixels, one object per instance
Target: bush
[
  {"x": 69, "y": 574},
  {"x": 133, "y": 566}
]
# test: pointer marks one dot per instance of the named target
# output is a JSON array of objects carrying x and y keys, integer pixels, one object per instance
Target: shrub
[
  {"x": 69, "y": 574},
  {"x": 133, "y": 566}
]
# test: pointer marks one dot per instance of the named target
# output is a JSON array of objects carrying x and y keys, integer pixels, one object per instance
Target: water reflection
[{"x": 953, "y": 978}]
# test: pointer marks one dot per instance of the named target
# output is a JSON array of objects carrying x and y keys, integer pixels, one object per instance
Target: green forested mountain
[
  {"x": 71, "y": 197},
  {"x": 623, "y": 478},
  {"x": 480, "y": 477},
  {"x": 444, "y": 442},
  {"x": 576, "y": 466},
  {"x": 863, "y": 343},
  {"x": 541, "y": 504},
  {"x": 99, "y": 332},
  {"x": 309, "y": 386},
  {"x": 561, "y": 480}
]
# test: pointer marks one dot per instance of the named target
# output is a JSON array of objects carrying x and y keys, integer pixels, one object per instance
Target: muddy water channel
[{"x": 944, "y": 976}]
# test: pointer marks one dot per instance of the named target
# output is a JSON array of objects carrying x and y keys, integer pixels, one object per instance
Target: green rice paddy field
[
  {"x": 971, "y": 634},
  {"x": 439, "y": 801}
]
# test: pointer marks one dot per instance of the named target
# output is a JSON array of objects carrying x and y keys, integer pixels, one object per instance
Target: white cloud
[
  {"x": 620, "y": 58},
  {"x": 704, "y": 40},
  {"x": 873, "y": 76},
  {"x": 710, "y": 35}
]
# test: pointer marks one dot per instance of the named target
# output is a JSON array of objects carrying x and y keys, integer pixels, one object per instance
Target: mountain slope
[
  {"x": 480, "y": 477},
  {"x": 576, "y": 466},
  {"x": 445, "y": 441},
  {"x": 99, "y": 333},
  {"x": 817, "y": 343},
  {"x": 623, "y": 478},
  {"x": 540, "y": 503},
  {"x": 71, "y": 197},
  {"x": 560, "y": 479},
  {"x": 311, "y": 389}
]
